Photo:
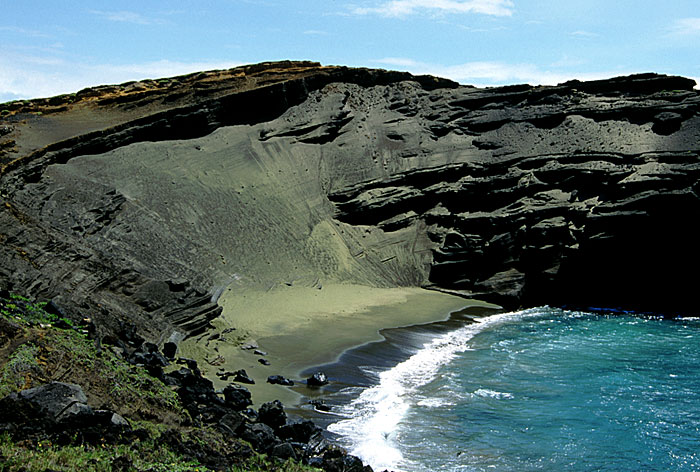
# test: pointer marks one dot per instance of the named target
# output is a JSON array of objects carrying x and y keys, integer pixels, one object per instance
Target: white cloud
[
  {"x": 401, "y": 62},
  {"x": 568, "y": 62},
  {"x": 686, "y": 27},
  {"x": 24, "y": 31},
  {"x": 401, "y": 8},
  {"x": 23, "y": 76},
  {"x": 127, "y": 17},
  {"x": 584, "y": 34},
  {"x": 487, "y": 74}
]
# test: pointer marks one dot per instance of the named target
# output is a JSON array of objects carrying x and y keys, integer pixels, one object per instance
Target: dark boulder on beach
[
  {"x": 320, "y": 405},
  {"x": 280, "y": 380},
  {"x": 242, "y": 377},
  {"x": 318, "y": 379}
]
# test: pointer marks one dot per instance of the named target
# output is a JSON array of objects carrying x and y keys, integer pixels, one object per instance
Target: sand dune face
[{"x": 148, "y": 201}]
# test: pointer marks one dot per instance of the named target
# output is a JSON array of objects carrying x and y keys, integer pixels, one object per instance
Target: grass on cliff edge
[
  {"x": 34, "y": 351},
  {"x": 140, "y": 456},
  {"x": 39, "y": 352}
]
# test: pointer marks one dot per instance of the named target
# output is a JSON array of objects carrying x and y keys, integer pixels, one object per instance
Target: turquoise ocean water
[{"x": 542, "y": 389}]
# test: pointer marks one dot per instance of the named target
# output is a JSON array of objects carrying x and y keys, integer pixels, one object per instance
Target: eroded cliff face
[{"x": 142, "y": 202}]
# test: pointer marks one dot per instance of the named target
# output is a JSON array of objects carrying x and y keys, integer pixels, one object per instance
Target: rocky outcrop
[
  {"x": 60, "y": 410},
  {"x": 143, "y": 202},
  {"x": 581, "y": 194}
]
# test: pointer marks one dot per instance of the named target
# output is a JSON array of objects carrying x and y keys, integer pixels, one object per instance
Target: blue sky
[{"x": 52, "y": 47}]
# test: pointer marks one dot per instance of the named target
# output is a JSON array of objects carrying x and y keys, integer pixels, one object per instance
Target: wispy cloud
[
  {"x": 584, "y": 34},
  {"x": 686, "y": 27},
  {"x": 486, "y": 73},
  {"x": 402, "y": 8},
  {"x": 24, "y": 32},
  {"x": 127, "y": 17}
]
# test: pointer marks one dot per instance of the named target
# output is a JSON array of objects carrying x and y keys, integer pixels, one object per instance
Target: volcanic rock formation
[{"x": 143, "y": 201}]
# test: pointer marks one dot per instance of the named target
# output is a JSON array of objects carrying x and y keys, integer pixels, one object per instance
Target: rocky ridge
[{"x": 142, "y": 202}]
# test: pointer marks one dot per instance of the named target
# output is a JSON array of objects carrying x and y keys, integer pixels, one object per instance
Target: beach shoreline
[
  {"x": 360, "y": 368},
  {"x": 299, "y": 328}
]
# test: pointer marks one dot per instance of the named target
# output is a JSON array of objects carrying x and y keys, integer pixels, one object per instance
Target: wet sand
[{"x": 300, "y": 327}]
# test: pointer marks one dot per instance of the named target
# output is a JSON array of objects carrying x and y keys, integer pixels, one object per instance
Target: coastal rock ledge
[{"x": 142, "y": 202}]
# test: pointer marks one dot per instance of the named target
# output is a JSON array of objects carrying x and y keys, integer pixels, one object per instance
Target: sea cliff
[{"x": 145, "y": 201}]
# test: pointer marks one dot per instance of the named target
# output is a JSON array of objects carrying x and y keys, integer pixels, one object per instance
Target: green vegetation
[
  {"x": 51, "y": 353},
  {"x": 22, "y": 362},
  {"x": 45, "y": 352},
  {"x": 21, "y": 309},
  {"x": 146, "y": 455},
  {"x": 66, "y": 355}
]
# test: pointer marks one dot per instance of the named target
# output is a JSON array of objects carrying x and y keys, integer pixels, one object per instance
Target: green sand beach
[{"x": 302, "y": 327}]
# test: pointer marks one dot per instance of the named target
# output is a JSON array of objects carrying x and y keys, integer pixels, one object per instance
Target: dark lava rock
[
  {"x": 148, "y": 356},
  {"x": 59, "y": 410},
  {"x": 264, "y": 361},
  {"x": 237, "y": 397},
  {"x": 231, "y": 423},
  {"x": 272, "y": 414},
  {"x": 338, "y": 460},
  {"x": 300, "y": 432},
  {"x": 280, "y": 380},
  {"x": 320, "y": 405},
  {"x": 214, "y": 456},
  {"x": 283, "y": 451},
  {"x": 53, "y": 307},
  {"x": 250, "y": 414},
  {"x": 108, "y": 417},
  {"x": 169, "y": 350},
  {"x": 242, "y": 377},
  {"x": 127, "y": 333},
  {"x": 57, "y": 400},
  {"x": 190, "y": 363},
  {"x": 260, "y": 436},
  {"x": 317, "y": 380},
  {"x": 666, "y": 123}
]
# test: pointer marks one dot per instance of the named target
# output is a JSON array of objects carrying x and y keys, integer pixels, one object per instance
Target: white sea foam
[
  {"x": 374, "y": 416},
  {"x": 486, "y": 393},
  {"x": 433, "y": 402}
]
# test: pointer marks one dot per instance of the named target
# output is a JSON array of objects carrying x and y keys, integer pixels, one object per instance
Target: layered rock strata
[{"x": 144, "y": 201}]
